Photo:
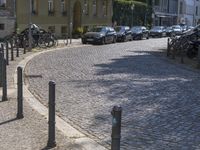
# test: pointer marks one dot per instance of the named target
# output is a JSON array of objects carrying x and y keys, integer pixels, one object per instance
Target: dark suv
[
  {"x": 123, "y": 33},
  {"x": 158, "y": 31},
  {"x": 139, "y": 32},
  {"x": 100, "y": 35}
]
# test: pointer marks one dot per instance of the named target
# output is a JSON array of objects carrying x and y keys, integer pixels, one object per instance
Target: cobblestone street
[{"x": 160, "y": 100}]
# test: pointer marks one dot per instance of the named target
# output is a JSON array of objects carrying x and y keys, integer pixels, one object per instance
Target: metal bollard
[
  {"x": 4, "y": 77},
  {"x": 198, "y": 58},
  {"x": 17, "y": 48},
  {"x": 19, "y": 93},
  {"x": 7, "y": 53},
  {"x": 51, "y": 132},
  {"x": 1, "y": 67},
  {"x": 116, "y": 127},
  {"x": 12, "y": 54}
]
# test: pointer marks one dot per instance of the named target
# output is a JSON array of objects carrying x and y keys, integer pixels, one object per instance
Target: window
[
  {"x": 86, "y": 8},
  {"x": 2, "y": 26},
  {"x": 34, "y": 8},
  {"x": 63, "y": 8},
  {"x": 50, "y": 7},
  {"x": 94, "y": 6},
  {"x": 3, "y": 3},
  {"x": 104, "y": 8}
]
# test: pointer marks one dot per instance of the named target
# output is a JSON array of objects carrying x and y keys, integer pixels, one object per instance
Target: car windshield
[
  {"x": 136, "y": 29},
  {"x": 98, "y": 29},
  {"x": 176, "y": 27}
]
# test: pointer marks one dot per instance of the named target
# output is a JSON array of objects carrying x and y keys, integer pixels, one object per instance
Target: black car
[
  {"x": 169, "y": 31},
  {"x": 158, "y": 31},
  {"x": 139, "y": 32},
  {"x": 123, "y": 33},
  {"x": 100, "y": 35}
]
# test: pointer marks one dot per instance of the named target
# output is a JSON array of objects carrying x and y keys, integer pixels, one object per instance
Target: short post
[
  {"x": 17, "y": 47},
  {"x": 4, "y": 76},
  {"x": 168, "y": 47},
  {"x": 19, "y": 93},
  {"x": 24, "y": 46},
  {"x": 51, "y": 132},
  {"x": 7, "y": 53},
  {"x": 116, "y": 127},
  {"x": 12, "y": 54},
  {"x": 198, "y": 58},
  {"x": 1, "y": 67}
]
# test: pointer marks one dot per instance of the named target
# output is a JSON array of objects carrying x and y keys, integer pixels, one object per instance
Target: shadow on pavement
[{"x": 160, "y": 102}]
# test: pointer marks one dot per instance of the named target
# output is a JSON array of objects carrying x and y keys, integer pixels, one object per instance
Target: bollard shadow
[
  {"x": 46, "y": 148},
  {"x": 160, "y": 102},
  {"x": 8, "y": 121}
]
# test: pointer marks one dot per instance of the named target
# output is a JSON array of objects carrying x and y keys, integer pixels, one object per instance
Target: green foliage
[
  {"x": 77, "y": 32},
  {"x": 124, "y": 15}
]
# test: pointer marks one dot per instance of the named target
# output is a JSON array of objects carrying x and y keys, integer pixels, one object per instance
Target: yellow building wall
[{"x": 43, "y": 20}]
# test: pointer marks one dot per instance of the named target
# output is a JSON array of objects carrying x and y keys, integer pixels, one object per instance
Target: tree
[{"x": 122, "y": 12}]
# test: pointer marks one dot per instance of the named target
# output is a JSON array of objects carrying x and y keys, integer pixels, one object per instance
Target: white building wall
[{"x": 188, "y": 16}]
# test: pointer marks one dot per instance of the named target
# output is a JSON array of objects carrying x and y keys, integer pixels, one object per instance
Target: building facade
[
  {"x": 61, "y": 16},
  {"x": 170, "y": 12},
  {"x": 7, "y": 17},
  {"x": 165, "y": 12},
  {"x": 186, "y": 12}
]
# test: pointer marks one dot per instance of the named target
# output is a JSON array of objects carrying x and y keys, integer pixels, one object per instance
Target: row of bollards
[{"x": 116, "y": 111}]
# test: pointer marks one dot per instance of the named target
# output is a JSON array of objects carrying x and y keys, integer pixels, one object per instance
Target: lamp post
[
  {"x": 132, "y": 8},
  {"x": 29, "y": 27}
]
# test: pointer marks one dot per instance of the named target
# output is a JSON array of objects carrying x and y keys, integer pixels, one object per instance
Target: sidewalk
[{"x": 31, "y": 132}]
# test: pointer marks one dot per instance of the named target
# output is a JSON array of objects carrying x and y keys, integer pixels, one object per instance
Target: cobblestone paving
[{"x": 160, "y": 100}]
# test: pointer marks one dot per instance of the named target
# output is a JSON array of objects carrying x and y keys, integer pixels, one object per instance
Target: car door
[{"x": 108, "y": 35}]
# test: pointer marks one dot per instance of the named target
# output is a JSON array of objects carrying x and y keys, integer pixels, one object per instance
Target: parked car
[
  {"x": 158, "y": 31},
  {"x": 177, "y": 29},
  {"x": 169, "y": 31},
  {"x": 139, "y": 32},
  {"x": 123, "y": 33},
  {"x": 100, "y": 35}
]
